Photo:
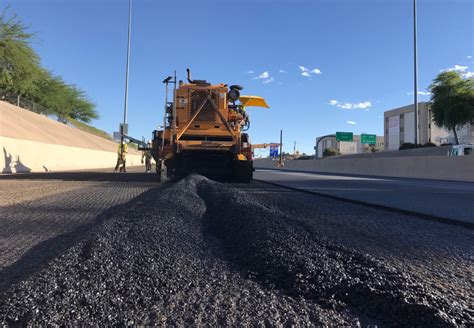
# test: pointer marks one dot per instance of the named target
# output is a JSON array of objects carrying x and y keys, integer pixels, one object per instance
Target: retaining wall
[
  {"x": 31, "y": 142},
  {"x": 32, "y": 156},
  {"x": 423, "y": 167}
]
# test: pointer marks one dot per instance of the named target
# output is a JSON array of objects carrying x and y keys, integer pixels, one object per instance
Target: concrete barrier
[
  {"x": 32, "y": 156},
  {"x": 35, "y": 143},
  {"x": 423, "y": 167}
]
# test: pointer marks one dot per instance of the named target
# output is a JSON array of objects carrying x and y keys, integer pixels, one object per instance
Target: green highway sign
[
  {"x": 368, "y": 138},
  {"x": 344, "y": 136}
]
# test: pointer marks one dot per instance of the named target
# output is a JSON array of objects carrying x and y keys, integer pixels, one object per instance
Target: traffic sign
[
  {"x": 344, "y": 136},
  {"x": 273, "y": 150},
  {"x": 368, "y": 138},
  {"x": 117, "y": 136},
  {"x": 123, "y": 128}
]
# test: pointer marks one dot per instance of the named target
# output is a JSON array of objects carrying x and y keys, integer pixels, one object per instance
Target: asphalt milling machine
[{"x": 203, "y": 131}]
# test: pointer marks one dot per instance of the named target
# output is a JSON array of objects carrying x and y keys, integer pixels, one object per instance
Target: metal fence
[
  {"x": 30, "y": 105},
  {"x": 17, "y": 100}
]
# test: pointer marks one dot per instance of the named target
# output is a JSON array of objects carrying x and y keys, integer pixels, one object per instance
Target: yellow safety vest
[{"x": 125, "y": 149}]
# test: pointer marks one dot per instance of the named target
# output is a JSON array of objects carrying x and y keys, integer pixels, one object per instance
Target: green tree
[
  {"x": 19, "y": 64},
  {"x": 79, "y": 106},
  {"x": 21, "y": 73},
  {"x": 66, "y": 101},
  {"x": 53, "y": 95},
  {"x": 452, "y": 101}
]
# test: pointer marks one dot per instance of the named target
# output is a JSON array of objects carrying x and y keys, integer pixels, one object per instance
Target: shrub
[
  {"x": 374, "y": 149},
  {"x": 429, "y": 144},
  {"x": 331, "y": 152},
  {"x": 408, "y": 145}
]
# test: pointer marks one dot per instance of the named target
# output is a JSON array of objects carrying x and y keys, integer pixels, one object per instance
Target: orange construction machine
[{"x": 203, "y": 131}]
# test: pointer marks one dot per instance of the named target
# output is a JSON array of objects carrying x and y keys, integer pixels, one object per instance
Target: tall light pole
[
  {"x": 415, "y": 66},
  {"x": 280, "y": 161},
  {"x": 125, "y": 109},
  {"x": 127, "y": 69}
]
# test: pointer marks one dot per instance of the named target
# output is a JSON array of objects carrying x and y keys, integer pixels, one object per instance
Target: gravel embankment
[{"x": 199, "y": 252}]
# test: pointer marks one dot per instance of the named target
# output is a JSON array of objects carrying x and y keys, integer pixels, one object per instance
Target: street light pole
[
  {"x": 125, "y": 108},
  {"x": 415, "y": 59},
  {"x": 280, "y": 161}
]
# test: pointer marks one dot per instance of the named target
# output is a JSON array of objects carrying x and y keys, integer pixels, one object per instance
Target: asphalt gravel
[{"x": 197, "y": 252}]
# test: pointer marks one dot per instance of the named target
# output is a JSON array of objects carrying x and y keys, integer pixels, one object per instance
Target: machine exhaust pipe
[
  {"x": 188, "y": 71},
  {"x": 199, "y": 82}
]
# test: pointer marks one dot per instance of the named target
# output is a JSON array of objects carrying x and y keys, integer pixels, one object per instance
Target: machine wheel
[
  {"x": 243, "y": 171},
  {"x": 169, "y": 168},
  {"x": 159, "y": 170}
]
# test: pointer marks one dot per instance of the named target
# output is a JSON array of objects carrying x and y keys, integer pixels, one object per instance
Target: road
[
  {"x": 39, "y": 207},
  {"x": 446, "y": 199},
  {"x": 97, "y": 248}
]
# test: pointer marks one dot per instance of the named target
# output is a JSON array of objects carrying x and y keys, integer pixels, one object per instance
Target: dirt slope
[{"x": 19, "y": 123}]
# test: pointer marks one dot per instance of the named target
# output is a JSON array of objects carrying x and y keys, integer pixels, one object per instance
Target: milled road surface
[
  {"x": 36, "y": 208},
  {"x": 199, "y": 252}
]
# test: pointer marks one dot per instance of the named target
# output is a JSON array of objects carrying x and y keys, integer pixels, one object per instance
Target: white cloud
[
  {"x": 307, "y": 72},
  {"x": 270, "y": 80},
  {"x": 346, "y": 105},
  {"x": 456, "y": 68},
  {"x": 250, "y": 72},
  {"x": 264, "y": 75},
  {"x": 363, "y": 105},
  {"x": 282, "y": 71},
  {"x": 469, "y": 57},
  {"x": 351, "y": 122},
  {"x": 421, "y": 93},
  {"x": 462, "y": 70},
  {"x": 468, "y": 75},
  {"x": 303, "y": 69}
]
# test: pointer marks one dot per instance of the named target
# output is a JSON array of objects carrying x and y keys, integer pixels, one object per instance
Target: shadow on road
[
  {"x": 84, "y": 176},
  {"x": 40, "y": 254}
]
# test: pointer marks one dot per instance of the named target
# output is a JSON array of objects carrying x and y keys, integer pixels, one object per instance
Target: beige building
[
  {"x": 346, "y": 147},
  {"x": 399, "y": 127}
]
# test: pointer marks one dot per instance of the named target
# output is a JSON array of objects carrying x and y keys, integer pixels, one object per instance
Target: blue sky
[{"x": 325, "y": 66}]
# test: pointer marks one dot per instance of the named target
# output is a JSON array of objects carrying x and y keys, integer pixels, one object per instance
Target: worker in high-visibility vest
[
  {"x": 147, "y": 156},
  {"x": 121, "y": 156}
]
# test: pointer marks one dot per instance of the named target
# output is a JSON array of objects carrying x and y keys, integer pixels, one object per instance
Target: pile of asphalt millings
[
  {"x": 289, "y": 255},
  {"x": 199, "y": 252}
]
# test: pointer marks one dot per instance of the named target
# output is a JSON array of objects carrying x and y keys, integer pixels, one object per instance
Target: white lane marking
[
  {"x": 450, "y": 186},
  {"x": 319, "y": 176}
]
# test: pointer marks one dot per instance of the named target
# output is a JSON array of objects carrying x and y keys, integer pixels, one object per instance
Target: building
[
  {"x": 346, "y": 147},
  {"x": 399, "y": 127}
]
